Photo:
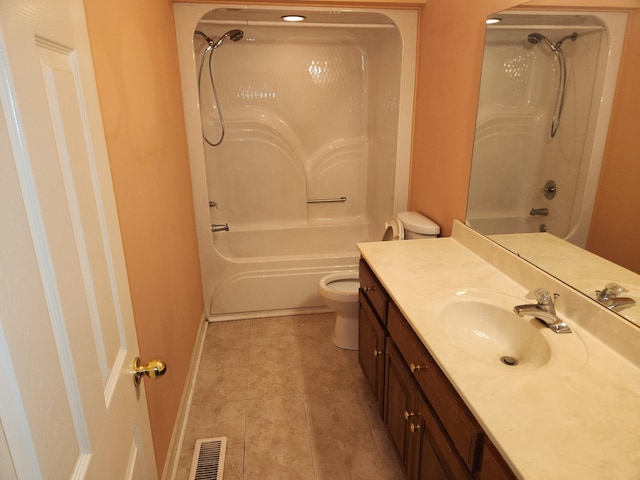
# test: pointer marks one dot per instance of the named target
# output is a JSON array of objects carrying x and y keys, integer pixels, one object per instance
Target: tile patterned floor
[{"x": 291, "y": 404}]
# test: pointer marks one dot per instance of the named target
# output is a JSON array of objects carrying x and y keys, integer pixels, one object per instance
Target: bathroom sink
[{"x": 483, "y": 326}]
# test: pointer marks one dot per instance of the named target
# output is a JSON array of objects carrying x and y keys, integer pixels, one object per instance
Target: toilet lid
[{"x": 393, "y": 230}]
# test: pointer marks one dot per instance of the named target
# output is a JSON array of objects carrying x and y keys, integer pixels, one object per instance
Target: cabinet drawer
[
  {"x": 374, "y": 291},
  {"x": 462, "y": 428}
]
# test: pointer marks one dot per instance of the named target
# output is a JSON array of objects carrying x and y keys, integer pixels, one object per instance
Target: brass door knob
[{"x": 154, "y": 369}]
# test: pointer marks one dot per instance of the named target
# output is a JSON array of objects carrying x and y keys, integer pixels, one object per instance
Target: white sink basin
[{"x": 483, "y": 326}]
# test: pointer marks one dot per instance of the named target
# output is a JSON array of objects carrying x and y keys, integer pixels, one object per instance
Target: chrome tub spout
[
  {"x": 219, "y": 227},
  {"x": 539, "y": 211}
]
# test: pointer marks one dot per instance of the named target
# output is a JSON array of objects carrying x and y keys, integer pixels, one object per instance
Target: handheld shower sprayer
[
  {"x": 536, "y": 37},
  {"x": 235, "y": 36}
]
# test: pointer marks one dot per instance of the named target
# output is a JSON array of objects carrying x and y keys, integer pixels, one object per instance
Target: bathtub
[
  {"x": 287, "y": 146},
  {"x": 271, "y": 272},
  {"x": 513, "y": 224}
]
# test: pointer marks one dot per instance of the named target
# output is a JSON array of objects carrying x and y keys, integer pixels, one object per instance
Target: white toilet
[{"x": 340, "y": 290}]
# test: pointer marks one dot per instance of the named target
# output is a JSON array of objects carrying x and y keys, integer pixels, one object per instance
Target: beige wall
[
  {"x": 615, "y": 228},
  {"x": 136, "y": 66},
  {"x": 450, "y": 62}
]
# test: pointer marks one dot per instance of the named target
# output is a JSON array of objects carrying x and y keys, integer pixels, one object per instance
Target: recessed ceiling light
[
  {"x": 491, "y": 21},
  {"x": 293, "y": 18}
]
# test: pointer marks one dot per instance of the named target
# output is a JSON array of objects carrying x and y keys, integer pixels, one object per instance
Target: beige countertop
[{"x": 576, "y": 417}]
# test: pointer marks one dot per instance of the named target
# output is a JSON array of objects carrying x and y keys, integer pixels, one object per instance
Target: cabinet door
[
  {"x": 493, "y": 465},
  {"x": 374, "y": 291},
  {"x": 433, "y": 457},
  {"x": 371, "y": 346},
  {"x": 399, "y": 401}
]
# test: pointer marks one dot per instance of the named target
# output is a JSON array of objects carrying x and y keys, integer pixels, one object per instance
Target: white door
[{"x": 68, "y": 405}]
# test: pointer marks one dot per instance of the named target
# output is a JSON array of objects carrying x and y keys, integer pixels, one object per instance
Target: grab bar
[{"x": 327, "y": 200}]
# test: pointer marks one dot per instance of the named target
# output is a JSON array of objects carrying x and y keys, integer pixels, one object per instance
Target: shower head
[
  {"x": 538, "y": 37},
  {"x": 234, "y": 35}
]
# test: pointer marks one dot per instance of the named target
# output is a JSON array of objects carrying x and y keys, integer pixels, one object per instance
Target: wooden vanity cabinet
[
  {"x": 433, "y": 431},
  {"x": 400, "y": 395},
  {"x": 372, "y": 332},
  {"x": 493, "y": 465},
  {"x": 433, "y": 456},
  {"x": 373, "y": 290},
  {"x": 462, "y": 429},
  {"x": 371, "y": 348}
]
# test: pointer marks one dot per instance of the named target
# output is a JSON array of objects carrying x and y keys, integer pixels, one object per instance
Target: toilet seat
[
  {"x": 341, "y": 286},
  {"x": 393, "y": 230}
]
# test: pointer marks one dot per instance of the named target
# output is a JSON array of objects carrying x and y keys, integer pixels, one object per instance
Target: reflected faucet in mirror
[{"x": 608, "y": 297}]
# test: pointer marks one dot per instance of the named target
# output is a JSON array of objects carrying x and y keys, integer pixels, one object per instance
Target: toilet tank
[{"x": 417, "y": 226}]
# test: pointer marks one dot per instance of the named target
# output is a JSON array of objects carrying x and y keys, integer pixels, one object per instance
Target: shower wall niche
[
  {"x": 515, "y": 154},
  {"x": 315, "y": 156}
]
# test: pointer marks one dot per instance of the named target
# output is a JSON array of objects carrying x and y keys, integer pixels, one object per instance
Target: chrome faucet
[
  {"x": 544, "y": 310},
  {"x": 608, "y": 297}
]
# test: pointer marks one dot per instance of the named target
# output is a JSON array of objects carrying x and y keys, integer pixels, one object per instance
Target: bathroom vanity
[{"x": 436, "y": 322}]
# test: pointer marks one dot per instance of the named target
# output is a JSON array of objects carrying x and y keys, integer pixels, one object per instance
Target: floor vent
[{"x": 208, "y": 459}]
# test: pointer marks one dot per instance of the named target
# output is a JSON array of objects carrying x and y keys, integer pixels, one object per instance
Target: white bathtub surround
[
  {"x": 573, "y": 421},
  {"x": 316, "y": 110},
  {"x": 514, "y": 155}
]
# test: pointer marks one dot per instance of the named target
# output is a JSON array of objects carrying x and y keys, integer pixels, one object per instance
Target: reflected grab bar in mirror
[{"x": 327, "y": 200}]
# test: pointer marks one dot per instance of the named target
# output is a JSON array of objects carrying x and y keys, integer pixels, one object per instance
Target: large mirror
[{"x": 547, "y": 89}]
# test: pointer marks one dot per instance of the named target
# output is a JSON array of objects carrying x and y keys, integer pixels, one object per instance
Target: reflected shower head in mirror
[{"x": 538, "y": 37}]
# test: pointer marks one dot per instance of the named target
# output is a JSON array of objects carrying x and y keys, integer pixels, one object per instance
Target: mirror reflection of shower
[
  {"x": 235, "y": 36},
  {"x": 556, "y": 48},
  {"x": 539, "y": 67}
]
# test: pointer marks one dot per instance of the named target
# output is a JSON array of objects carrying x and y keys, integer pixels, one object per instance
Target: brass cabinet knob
[
  {"x": 376, "y": 352},
  {"x": 154, "y": 369},
  {"x": 416, "y": 368},
  {"x": 408, "y": 415},
  {"x": 369, "y": 289},
  {"x": 414, "y": 428}
]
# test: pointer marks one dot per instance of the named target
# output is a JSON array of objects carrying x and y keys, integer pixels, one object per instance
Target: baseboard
[
  {"x": 177, "y": 438},
  {"x": 224, "y": 317}
]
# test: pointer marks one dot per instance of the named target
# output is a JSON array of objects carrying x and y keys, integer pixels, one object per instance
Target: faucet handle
[
  {"x": 543, "y": 297},
  {"x": 611, "y": 290}
]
